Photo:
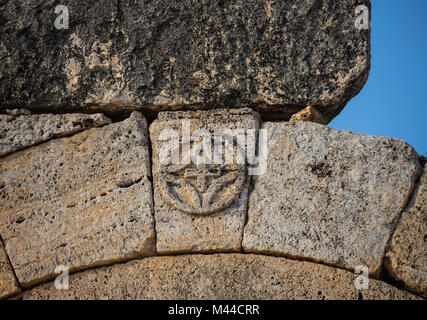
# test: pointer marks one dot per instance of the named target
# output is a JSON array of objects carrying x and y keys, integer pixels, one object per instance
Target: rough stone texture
[
  {"x": 309, "y": 114},
  {"x": 194, "y": 215},
  {"x": 18, "y": 112},
  {"x": 8, "y": 284},
  {"x": 278, "y": 56},
  {"x": 19, "y": 131},
  {"x": 80, "y": 201},
  {"x": 407, "y": 256},
  {"x": 229, "y": 276},
  {"x": 329, "y": 195}
]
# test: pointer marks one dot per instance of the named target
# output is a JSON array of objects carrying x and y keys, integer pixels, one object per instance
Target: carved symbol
[{"x": 203, "y": 189}]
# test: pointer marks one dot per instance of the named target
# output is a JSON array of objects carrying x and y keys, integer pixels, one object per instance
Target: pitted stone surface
[
  {"x": 220, "y": 276},
  {"x": 309, "y": 114},
  {"x": 278, "y": 56},
  {"x": 20, "y": 130},
  {"x": 8, "y": 284},
  {"x": 199, "y": 208},
  {"x": 80, "y": 201},
  {"x": 329, "y": 195},
  {"x": 407, "y": 256}
]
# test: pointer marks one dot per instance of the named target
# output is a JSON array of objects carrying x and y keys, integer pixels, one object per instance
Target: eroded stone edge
[
  {"x": 387, "y": 269},
  {"x": 99, "y": 120}
]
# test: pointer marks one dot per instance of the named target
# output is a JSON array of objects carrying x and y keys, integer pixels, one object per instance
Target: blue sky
[{"x": 393, "y": 102}]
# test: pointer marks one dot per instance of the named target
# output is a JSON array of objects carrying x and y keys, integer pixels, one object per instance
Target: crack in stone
[
  {"x": 251, "y": 182},
  {"x": 150, "y": 178},
  {"x": 11, "y": 266}
]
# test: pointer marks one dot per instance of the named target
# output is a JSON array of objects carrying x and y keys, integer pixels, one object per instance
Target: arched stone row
[{"x": 93, "y": 198}]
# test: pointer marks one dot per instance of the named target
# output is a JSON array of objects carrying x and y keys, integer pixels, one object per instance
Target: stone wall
[
  {"x": 85, "y": 192},
  {"x": 179, "y": 150}
]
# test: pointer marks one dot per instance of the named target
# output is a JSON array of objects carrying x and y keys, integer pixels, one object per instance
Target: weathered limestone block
[
  {"x": 309, "y": 114},
  {"x": 199, "y": 207},
  {"x": 219, "y": 276},
  {"x": 20, "y": 131},
  {"x": 80, "y": 201},
  {"x": 8, "y": 284},
  {"x": 406, "y": 259},
  {"x": 277, "y": 56},
  {"x": 329, "y": 195}
]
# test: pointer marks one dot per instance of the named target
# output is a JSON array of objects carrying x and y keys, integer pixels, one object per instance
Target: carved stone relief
[{"x": 200, "y": 205}]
